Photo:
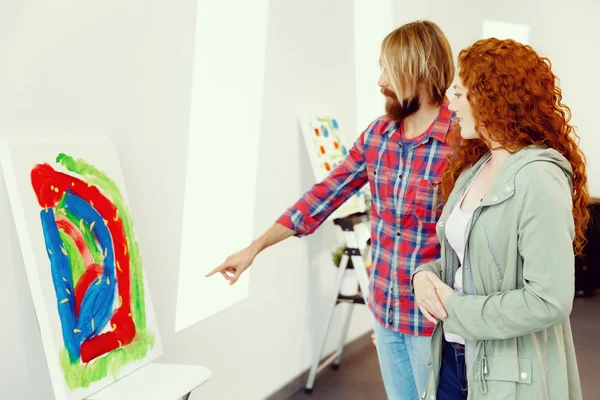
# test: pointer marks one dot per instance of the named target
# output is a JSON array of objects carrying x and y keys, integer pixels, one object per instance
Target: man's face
[{"x": 395, "y": 109}]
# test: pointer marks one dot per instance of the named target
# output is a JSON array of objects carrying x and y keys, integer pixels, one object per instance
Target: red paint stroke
[
  {"x": 70, "y": 229},
  {"x": 336, "y": 145},
  {"x": 49, "y": 186},
  {"x": 317, "y": 132},
  {"x": 327, "y": 167},
  {"x": 322, "y": 149},
  {"x": 91, "y": 274}
]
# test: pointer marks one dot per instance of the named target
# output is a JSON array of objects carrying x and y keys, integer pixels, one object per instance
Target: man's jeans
[{"x": 404, "y": 362}]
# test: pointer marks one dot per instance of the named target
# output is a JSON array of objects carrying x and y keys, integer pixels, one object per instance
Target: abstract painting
[
  {"x": 89, "y": 289},
  {"x": 326, "y": 150}
]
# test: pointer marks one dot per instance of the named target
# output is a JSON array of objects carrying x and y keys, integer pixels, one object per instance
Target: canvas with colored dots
[{"x": 327, "y": 148}]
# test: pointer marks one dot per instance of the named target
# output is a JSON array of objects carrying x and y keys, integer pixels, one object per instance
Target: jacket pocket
[
  {"x": 426, "y": 201},
  {"x": 508, "y": 378},
  {"x": 493, "y": 253}
]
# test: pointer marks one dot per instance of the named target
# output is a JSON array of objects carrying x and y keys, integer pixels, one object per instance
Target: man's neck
[{"x": 414, "y": 125}]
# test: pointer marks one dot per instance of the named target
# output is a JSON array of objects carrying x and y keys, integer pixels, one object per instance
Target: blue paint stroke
[
  {"x": 344, "y": 151},
  {"x": 325, "y": 131},
  {"x": 60, "y": 266},
  {"x": 334, "y": 123},
  {"x": 97, "y": 302}
]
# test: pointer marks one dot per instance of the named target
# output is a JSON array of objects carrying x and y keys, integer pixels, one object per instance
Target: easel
[
  {"x": 347, "y": 224},
  {"x": 156, "y": 381}
]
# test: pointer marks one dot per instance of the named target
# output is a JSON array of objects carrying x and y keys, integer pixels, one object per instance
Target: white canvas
[
  {"x": 327, "y": 147},
  {"x": 222, "y": 153},
  {"x": 506, "y": 30},
  {"x": 79, "y": 247}
]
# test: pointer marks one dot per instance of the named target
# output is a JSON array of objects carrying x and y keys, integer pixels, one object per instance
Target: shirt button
[
  {"x": 441, "y": 223},
  {"x": 508, "y": 188},
  {"x": 524, "y": 375},
  {"x": 397, "y": 233},
  {"x": 495, "y": 198},
  {"x": 400, "y": 176}
]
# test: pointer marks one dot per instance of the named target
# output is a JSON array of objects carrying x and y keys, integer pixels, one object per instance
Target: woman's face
[{"x": 460, "y": 105}]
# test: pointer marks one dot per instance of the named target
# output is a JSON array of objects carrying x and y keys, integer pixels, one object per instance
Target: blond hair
[{"x": 417, "y": 55}]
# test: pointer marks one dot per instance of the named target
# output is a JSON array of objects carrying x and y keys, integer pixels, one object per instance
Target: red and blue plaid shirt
[{"x": 403, "y": 184}]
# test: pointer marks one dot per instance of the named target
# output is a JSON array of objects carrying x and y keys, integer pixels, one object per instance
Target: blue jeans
[
  {"x": 404, "y": 362},
  {"x": 453, "y": 374}
]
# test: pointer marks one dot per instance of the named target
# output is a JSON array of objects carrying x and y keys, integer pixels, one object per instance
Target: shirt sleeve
[{"x": 317, "y": 204}]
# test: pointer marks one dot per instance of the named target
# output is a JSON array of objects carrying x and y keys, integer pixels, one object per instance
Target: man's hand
[
  {"x": 235, "y": 264},
  {"x": 426, "y": 296}
]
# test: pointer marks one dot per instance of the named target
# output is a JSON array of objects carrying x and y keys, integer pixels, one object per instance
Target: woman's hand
[
  {"x": 443, "y": 291},
  {"x": 427, "y": 297}
]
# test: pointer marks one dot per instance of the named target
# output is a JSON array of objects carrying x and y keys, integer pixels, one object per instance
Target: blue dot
[
  {"x": 344, "y": 151},
  {"x": 334, "y": 123},
  {"x": 325, "y": 131}
]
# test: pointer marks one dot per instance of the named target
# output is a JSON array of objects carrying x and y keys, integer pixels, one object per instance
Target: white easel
[
  {"x": 353, "y": 251},
  {"x": 156, "y": 381}
]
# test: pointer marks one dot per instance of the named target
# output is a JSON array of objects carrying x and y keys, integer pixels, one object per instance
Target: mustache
[{"x": 389, "y": 93}]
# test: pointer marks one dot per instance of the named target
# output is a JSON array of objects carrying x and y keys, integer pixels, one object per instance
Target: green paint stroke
[
  {"x": 144, "y": 339},
  {"x": 83, "y": 375},
  {"x": 88, "y": 236},
  {"x": 75, "y": 257}
]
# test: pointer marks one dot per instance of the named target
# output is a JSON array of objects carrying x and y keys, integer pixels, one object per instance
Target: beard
[{"x": 398, "y": 111}]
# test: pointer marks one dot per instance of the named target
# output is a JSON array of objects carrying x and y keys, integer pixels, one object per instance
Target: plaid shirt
[{"x": 403, "y": 215}]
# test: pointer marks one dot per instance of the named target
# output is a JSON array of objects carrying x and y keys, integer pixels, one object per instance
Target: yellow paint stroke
[
  {"x": 49, "y": 251},
  {"x": 76, "y": 330},
  {"x": 64, "y": 279},
  {"x": 63, "y": 301},
  {"x": 107, "y": 281},
  {"x": 105, "y": 222},
  {"x": 91, "y": 203},
  {"x": 114, "y": 327},
  {"x": 67, "y": 289},
  {"x": 92, "y": 324},
  {"x": 120, "y": 344},
  {"x": 64, "y": 251},
  {"x": 99, "y": 280},
  {"x": 125, "y": 248},
  {"x": 119, "y": 267},
  {"x": 81, "y": 226}
]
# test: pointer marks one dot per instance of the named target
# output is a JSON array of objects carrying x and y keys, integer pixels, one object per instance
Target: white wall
[
  {"x": 567, "y": 33},
  {"x": 124, "y": 69}
]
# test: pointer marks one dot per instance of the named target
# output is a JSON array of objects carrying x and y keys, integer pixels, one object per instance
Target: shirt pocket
[
  {"x": 381, "y": 185},
  {"x": 427, "y": 208}
]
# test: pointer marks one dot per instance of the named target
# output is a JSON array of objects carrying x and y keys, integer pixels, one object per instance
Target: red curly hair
[{"x": 515, "y": 96}]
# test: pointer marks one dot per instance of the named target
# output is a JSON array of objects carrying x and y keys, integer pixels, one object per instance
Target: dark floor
[{"x": 358, "y": 377}]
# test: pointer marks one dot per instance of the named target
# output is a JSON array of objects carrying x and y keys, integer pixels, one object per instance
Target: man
[{"x": 402, "y": 156}]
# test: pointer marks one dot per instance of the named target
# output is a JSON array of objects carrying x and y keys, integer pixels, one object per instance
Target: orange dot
[
  {"x": 322, "y": 150},
  {"x": 336, "y": 145},
  {"x": 327, "y": 166},
  {"x": 317, "y": 132}
]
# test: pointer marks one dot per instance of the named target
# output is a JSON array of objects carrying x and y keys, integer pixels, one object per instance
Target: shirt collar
[{"x": 438, "y": 130}]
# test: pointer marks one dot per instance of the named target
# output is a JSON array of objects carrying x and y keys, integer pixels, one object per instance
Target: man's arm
[
  {"x": 325, "y": 197},
  {"x": 307, "y": 214}
]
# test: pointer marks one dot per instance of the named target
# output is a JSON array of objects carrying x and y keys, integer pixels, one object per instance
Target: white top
[{"x": 456, "y": 228}]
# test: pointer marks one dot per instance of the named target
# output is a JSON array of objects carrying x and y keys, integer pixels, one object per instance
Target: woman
[{"x": 515, "y": 194}]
